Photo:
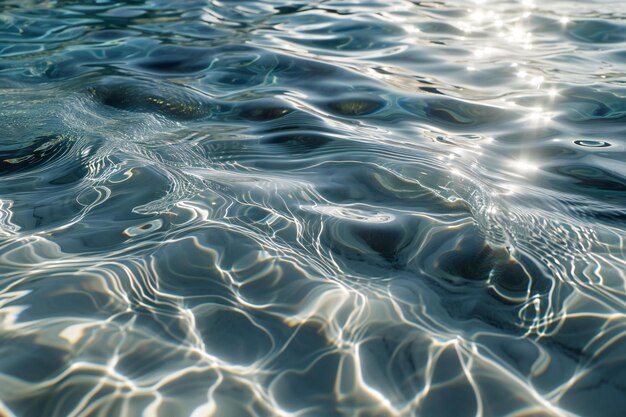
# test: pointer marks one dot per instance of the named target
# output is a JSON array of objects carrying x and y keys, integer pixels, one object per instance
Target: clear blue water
[{"x": 325, "y": 208}]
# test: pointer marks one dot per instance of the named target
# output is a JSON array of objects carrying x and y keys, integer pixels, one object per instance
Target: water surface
[{"x": 323, "y": 208}]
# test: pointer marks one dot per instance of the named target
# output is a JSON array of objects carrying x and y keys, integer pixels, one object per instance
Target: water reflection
[{"x": 323, "y": 209}]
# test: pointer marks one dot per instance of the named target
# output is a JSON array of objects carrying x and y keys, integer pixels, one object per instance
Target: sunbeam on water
[{"x": 326, "y": 208}]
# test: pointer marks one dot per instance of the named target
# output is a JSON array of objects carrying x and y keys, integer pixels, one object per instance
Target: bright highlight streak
[{"x": 523, "y": 165}]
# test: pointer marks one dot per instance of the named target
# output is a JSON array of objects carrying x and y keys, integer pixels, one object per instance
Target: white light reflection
[
  {"x": 510, "y": 24},
  {"x": 539, "y": 116},
  {"x": 537, "y": 81},
  {"x": 524, "y": 166}
]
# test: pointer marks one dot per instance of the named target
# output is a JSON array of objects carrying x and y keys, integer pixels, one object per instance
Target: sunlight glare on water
[{"x": 327, "y": 208}]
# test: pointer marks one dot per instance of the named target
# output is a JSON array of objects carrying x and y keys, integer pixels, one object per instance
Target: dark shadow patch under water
[
  {"x": 355, "y": 105},
  {"x": 175, "y": 60},
  {"x": 592, "y": 178},
  {"x": 298, "y": 142},
  {"x": 42, "y": 178},
  {"x": 173, "y": 101},
  {"x": 42, "y": 151},
  {"x": 262, "y": 110}
]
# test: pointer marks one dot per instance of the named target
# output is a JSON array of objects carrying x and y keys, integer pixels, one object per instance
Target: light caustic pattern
[{"x": 262, "y": 208}]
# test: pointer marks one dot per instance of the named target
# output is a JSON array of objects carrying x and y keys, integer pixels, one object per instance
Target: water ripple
[{"x": 255, "y": 208}]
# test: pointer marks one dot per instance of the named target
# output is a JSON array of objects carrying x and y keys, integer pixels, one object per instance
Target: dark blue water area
[{"x": 326, "y": 208}]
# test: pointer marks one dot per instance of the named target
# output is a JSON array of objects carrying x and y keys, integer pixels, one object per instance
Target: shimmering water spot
[
  {"x": 352, "y": 214},
  {"x": 588, "y": 143},
  {"x": 144, "y": 228}
]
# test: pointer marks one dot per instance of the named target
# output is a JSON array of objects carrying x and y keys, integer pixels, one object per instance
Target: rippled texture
[{"x": 269, "y": 208}]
